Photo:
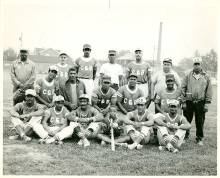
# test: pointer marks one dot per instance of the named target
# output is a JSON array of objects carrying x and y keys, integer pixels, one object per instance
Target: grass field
[{"x": 71, "y": 159}]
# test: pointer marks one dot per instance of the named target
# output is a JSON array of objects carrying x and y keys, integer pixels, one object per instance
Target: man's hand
[
  {"x": 137, "y": 124},
  {"x": 114, "y": 124},
  {"x": 72, "y": 106},
  {"x": 21, "y": 85},
  {"x": 206, "y": 108},
  {"x": 105, "y": 111},
  {"x": 184, "y": 105},
  {"x": 175, "y": 126},
  {"x": 50, "y": 105},
  {"x": 51, "y": 133}
]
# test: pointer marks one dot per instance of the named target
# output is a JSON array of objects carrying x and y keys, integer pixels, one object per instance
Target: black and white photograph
[{"x": 109, "y": 87}]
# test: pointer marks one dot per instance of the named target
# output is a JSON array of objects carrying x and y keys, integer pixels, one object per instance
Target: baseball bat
[{"x": 112, "y": 138}]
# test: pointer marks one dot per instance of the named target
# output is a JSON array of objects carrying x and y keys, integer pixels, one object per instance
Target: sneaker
[
  {"x": 42, "y": 141},
  {"x": 125, "y": 145},
  {"x": 86, "y": 142},
  {"x": 200, "y": 143},
  {"x": 139, "y": 147},
  {"x": 161, "y": 148},
  {"x": 103, "y": 143},
  {"x": 132, "y": 146},
  {"x": 26, "y": 138},
  {"x": 169, "y": 147},
  {"x": 59, "y": 142},
  {"x": 50, "y": 140},
  {"x": 13, "y": 137},
  {"x": 80, "y": 142}
]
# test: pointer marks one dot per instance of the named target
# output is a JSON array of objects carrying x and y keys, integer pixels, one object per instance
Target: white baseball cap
[
  {"x": 58, "y": 98},
  {"x": 141, "y": 100},
  {"x": 53, "y": 67},
  {"x": 173, "y": 102},
  {"x": 84, "y": 96},
  {"x": 197, "y": 60},
  {"x": 30, "y": 92}
]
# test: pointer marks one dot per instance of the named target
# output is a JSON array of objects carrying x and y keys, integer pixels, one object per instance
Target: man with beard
[
  {"x": 72, "y": 89},
  {"x": 142, "y": 69},
  {"x": 23, "y": 75},
  {"x": 54, "y": 122},
  {"x": 86, "y": 69},
  {"x": 47, "y": 87},
  {"x": 171, "y": 128},
  {"x": 197, "y": 94},
  {"x": 113, "y": 70},
  {"x": 25, "y": 115}
]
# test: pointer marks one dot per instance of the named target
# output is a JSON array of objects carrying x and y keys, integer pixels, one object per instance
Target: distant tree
[
  {"x": 122, "y": 53},
  {"x": 210, "y": 61},
  {"x": 9, "y": 54},
  {"x": 185, "y": 64}
]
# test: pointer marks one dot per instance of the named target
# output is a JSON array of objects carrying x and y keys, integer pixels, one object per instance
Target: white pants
[
  {"x": 89, "y": 84},
  {"x": 65, "y": 133},
  {"x": 33, "y": 121},
  {"x": 144, "y": 130},
  {"x": 161, "y": 131},
  {"x": 143, "y": 88}
]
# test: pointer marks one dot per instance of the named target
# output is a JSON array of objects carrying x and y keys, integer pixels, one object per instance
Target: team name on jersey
[
  {"x": 86, "y": 68},
  {"x": 130, "y": 102},
  {"x": 48, "y": 92},
  {"x": 138, "y": 72}
]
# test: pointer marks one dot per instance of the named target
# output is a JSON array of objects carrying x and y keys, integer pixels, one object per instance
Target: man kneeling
[
  {"x": 171, "y": 128},
  {"x": 141, "y": 129},
  {"x": 54, "y": 123}
]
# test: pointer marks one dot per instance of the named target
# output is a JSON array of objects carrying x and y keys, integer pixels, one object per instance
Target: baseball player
[
  {"x": 141, "y": 128},
  {"x": 171, "y": 128},
  {"x": 52, "y": 129},
  {"x": 142, "y": 69},
  {"x": 47, "y": 87},
  {"x": 63, "y": 69},
  {"x": 85, "y": 121},
  {"x": 86, "y": 69},
  {"x": 104, "y": 96},
  {"x": 25, "y": 115},
  {"x": 164, "y": 96}
]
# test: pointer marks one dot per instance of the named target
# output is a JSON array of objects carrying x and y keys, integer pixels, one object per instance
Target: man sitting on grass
[
  {"x": 171, "y": 128},
  {"x": 53, "y": 124},
  {"x": 25, "y": 115},
  {"x": 85, "y": 121},
  {"x": 141, "y": 129}
]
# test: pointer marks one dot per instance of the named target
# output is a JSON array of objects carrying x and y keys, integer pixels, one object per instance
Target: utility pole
[
  {"x": 21, "y": 40},
  {"x": 159, "y": 44}
]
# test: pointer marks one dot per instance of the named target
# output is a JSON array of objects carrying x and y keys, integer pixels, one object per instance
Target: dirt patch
[{"x": 24, "y": 151}]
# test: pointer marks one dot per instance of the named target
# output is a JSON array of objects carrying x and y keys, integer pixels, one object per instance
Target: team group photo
[{"x": 124, "y": 114}]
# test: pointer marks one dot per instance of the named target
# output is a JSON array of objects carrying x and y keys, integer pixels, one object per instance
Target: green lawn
[{"x": 71, "y": 159}]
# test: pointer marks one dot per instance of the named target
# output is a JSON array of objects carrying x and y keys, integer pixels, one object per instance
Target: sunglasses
[{"x": 106, "y": 82}]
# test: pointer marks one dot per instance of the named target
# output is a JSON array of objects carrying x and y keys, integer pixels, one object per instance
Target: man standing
[
  {"x": 54, "y": 123},
  {"x": 113, "y": 70},
  {"x": 197, "y": 93},
  {"x": 171, "y": 128},
  {"x": 25, "y": 115},
  {"x": 159, "y": 79},
  {"x": 72, "y": 89},
  {"x": 47, "y": 87},
  {"x": 23, "y": 75},
  {"x": 164, "y": 96},
  {"x": 63, "y": 68},
  {"x": 141, "y": 129},
  {"x": 142, "y": 69},
  {"x": 86, "y": 69}
]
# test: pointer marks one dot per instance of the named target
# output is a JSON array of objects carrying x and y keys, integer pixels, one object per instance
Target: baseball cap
[
  {"x": 173, "y": 102},
  {"x": 63, "y": 53},
  {"x": 53, "y": 67},
  {"x": 170, "y": 77},
  {"x": 86, "y": 46},
  {"x": 23, "y": 50},
  {"x": 84, "y": 96},
  {"x": 137, "y": 49},
  {"x": 197, "y": 60},
  {"x": 111, "y": 52},
  {"x": 133, "y": 74},
  {"x": 58, "y": 98},
  {"x": 106, "y": 78},
  {"x": 167, "y": 60},
  {"x": 141, "y": 100},
  {"x": 30, "y": 92}
]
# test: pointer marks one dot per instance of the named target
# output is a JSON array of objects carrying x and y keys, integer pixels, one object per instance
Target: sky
[{"x": 188, "y": 25}]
